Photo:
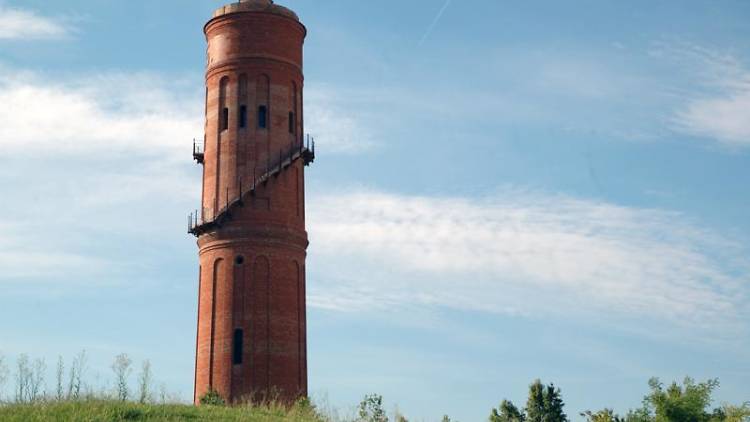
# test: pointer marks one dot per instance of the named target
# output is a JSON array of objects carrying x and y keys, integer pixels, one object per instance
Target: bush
[
  {"x": 212, "y": 398},
  {"x": 371, "y": 409}
]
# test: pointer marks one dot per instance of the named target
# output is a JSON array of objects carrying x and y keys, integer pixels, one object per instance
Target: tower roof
[{"x": 264, "y": 6}]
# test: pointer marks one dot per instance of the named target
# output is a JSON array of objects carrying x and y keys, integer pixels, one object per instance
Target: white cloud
[
  {"x": 717, "y": 107},
  {"x": 24, "y": 24},
  {"x": 521, "y": 253},
  {"x": 725, "y": 118},
  {"x": 104, "y": 151},
  {"x": 90, "y": 114},
  {"x": 138, "y": 112},
  {"x": 104, "y": 158}
]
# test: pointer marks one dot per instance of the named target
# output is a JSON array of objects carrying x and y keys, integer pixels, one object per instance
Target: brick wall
[{"x": 252, "y": 269}]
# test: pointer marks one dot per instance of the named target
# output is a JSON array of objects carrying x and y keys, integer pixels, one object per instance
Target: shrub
[
  {"x": 371, "y": 409},
  {"x": 212, "y": 398}
]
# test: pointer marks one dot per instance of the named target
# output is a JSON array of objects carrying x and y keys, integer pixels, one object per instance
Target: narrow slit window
[
  {"x": 237, "y": 347},
  {"x": 262, "y": 116},
  {"x": 225, "y": 118},
  {"x": 291, "y": 122},
  {"x": 243, "y": 116}
]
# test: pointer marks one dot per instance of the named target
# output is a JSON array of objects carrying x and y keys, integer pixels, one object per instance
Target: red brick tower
[{"x": 251, "y": 338}]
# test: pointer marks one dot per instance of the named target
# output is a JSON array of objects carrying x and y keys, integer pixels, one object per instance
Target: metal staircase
[{"x": 199, "y": 224}]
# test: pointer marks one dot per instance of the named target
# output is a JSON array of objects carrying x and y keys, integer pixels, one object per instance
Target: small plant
[
  {"x": 304, "y": 408},
  {"x": 37, "y": 392},
  {"x": 3, "y": 374},
  {"x": 29, "y": 379},
  {"x": 122, "y": 369},
  {"x": 212, "y": 398},
  {"x": 371, "y": 409},
  {"x": 144, "y": 383},
  {"x": 304, "y": 404},
  {"x": 77, "y": 370},
  {"x": 59, "y": 374}
]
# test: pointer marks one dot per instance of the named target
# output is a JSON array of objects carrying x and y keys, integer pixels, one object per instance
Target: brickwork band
[{"x": 251, "y": 335}]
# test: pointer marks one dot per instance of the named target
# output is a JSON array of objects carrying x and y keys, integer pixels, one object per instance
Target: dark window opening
[
  {"x": 225, "y": 119},
  {"x": 239, "y": 260},
  {"x": 262, "y": 112},
  {"x": 237, "y": 347},
  {"x": 243, "y": 116},
  {"x": 291, "y": 122}
]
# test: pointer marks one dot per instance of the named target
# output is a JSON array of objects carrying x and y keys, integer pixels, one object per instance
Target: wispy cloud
[
  {"x": 525, "y": 253},
  {"x": 717, "y": 108},
  {"x": 19, "y": 24},
  {"x": 724, "y": 118},
  {"x": 96, "y": 112},
  {"x": 90, "y": 148},
  {"x": 105, "y": 147}
]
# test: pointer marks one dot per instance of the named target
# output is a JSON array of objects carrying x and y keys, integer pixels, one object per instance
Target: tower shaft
[{"x": 251, "y": 335}]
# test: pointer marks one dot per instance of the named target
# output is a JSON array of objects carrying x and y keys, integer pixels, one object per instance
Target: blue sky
[{"x": 504, "y": 191}]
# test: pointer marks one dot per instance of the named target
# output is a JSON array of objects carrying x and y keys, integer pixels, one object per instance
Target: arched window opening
[
  {"x": 239, "y": 260},
  {"x": 223, "y": 106},
  {"x": 205, "y": 104},
  {"x": 237, "y": 347},
  {"x": 243, "y": 116},
  {"x": 291, "y": 122},
  {"x": 262, "y": 116},
  {"x": 225, "y": 118}
]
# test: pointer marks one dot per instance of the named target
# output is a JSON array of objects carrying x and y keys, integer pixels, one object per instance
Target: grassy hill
[{"x": 101, "y": 411}]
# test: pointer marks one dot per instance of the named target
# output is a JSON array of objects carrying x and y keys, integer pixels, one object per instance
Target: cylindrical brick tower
[{"x": 251, "y": 335}]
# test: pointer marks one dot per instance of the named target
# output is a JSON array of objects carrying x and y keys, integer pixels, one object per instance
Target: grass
[{"x": 105, "y": 410}]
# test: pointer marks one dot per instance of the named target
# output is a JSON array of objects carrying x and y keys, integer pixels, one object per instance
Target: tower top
[{"x": 262, "y": 6}]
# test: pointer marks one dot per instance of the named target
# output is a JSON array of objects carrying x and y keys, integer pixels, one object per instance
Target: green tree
[
  {"x": 535, "y": 403},
  {"x": 553, "y": 405},
  {"x": 736, "y": 413},
  {"x": 689, "y": 402},
  {"x": 604, "y": 415},
  {"x": 639, "y": 415},
  {"x": 544, "y": 404},
  {"x": 507, "y": 412},
  {"x": 676, "y": 403}
]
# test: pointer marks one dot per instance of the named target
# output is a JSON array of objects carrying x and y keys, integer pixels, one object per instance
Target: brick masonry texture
[{"x": 252, "y": 268}]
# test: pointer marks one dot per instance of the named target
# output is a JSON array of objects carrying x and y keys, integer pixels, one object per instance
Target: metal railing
[
  {"x": 199, "y": 223},
  {"x": 199, "y": 149}
]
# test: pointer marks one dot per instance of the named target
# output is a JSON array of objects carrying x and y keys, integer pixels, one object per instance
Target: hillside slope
[{"x": 101, "y": 411}]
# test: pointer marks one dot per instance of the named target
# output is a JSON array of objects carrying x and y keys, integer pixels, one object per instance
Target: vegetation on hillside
[
  {"x": 115, "y": 410},
  {"x": 71, "y": 399},
  {"x": 689, "y": 402}
]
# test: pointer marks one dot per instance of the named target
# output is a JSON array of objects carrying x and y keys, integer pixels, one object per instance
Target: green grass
[{"x": 101, "y": 410}]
